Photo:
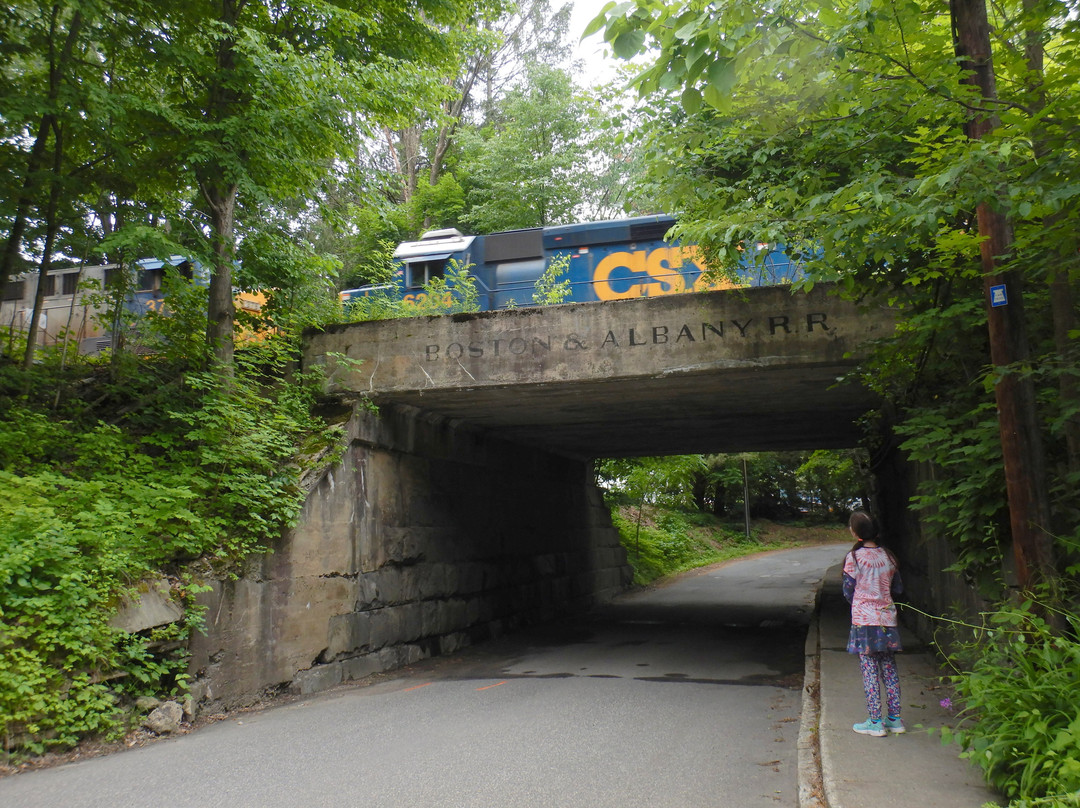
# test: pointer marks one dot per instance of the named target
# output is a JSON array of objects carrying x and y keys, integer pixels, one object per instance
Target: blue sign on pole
[{"x": 998, "y": 296}]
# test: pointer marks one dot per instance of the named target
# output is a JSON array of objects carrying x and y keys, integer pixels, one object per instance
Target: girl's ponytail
[{"x": 864, "y": 526}]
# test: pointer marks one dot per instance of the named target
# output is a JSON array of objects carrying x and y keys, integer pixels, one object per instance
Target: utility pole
[
  {"x": 746, "y": 497},
  {"x": 1021, "y": 440}
]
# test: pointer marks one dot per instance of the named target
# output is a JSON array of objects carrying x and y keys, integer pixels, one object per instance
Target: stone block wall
[
  {"x": 925, "y": 557},
  {"x": 426, "y": 537}
]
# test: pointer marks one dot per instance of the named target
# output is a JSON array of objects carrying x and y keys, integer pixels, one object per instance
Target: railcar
[
  {"x": 73, "y": 306},
  {"x": 610, "y": 260}
]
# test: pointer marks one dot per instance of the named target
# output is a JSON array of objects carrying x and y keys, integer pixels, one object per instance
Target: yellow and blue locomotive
[{"x": 612, "y": 260}]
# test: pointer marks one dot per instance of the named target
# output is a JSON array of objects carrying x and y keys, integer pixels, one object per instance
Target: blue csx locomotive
[{"x": 612, "y": 260}]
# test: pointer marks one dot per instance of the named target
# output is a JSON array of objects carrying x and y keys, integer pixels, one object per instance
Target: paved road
[{"x": 687, "y": 695}]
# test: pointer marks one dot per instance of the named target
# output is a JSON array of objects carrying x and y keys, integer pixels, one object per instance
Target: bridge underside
[
  {"x": 740, "y": 370},
  {"x": 740, "y": 410}
]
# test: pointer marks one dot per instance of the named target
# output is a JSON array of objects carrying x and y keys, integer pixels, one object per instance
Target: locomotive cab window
[
  {"x": 149, "y": 280},
  {"x": 423, "y": 272}
]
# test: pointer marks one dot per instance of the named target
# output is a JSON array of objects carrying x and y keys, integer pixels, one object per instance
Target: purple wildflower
[{"x": 946, "y": 704}]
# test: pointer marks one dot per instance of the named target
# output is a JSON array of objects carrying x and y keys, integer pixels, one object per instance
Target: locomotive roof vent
[
  {"x": 449, "y": 232},
  {"x": 433, "y": 245}
]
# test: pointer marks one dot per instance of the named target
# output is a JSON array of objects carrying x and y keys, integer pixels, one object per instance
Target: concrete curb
[{"x": 812, "y": 789}]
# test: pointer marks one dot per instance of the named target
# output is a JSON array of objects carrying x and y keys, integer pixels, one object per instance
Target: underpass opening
[{"x": 680, "y": 512}]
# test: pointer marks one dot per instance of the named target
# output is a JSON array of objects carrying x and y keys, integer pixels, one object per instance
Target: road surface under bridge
[{"x": 752, "y": 369}]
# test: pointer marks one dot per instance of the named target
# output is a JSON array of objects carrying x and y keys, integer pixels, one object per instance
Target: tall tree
[
  {"x": 249, "y": 101},
  {"x": 44, "y": 46},
  {"x": 1021, "y": 437},
  {"x": 263, "y": 95},
  {"x": 493, "y": 48},
  {"x": 529, "y": 166}
]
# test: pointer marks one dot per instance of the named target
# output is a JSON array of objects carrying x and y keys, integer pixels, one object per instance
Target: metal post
[{"x": 746, "y": 497}]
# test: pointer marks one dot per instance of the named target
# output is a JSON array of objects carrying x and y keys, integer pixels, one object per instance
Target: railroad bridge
[
  {"x": 466, "y": 505},
  {"x": 734, "y": 370}
]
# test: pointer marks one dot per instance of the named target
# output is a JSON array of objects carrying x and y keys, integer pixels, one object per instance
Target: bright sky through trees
[{"x": 600, "y": 65}]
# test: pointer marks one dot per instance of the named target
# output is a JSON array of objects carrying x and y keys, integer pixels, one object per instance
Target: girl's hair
[{"x": 865, "y": 527}]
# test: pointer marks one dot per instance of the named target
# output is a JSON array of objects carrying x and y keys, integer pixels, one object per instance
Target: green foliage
[
  {"x": 782, "y": 485},
  {"x": 437, "y": 206},
  {"x": 668, "y": 509},
  {"x": 962, "y": 501},
  {"x": 1020, "y": 721},
  {"x": 830, "y": 482},
  {"x": 550, "y": 288},
  {"x": 182, "y": 466},
  {"x": 227, "y": 139},
  {"x": 70, "y": 546},
  {"x": 529, "y": 166},
  {"x": 364, "y": 239},
  {"x": 661, "y": 542},
  {"x": 655, "y": 480},
  {"x": 453, "y": 293}
]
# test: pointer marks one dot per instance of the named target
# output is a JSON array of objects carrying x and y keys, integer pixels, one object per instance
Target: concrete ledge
[{"x": 811, "y": 786}]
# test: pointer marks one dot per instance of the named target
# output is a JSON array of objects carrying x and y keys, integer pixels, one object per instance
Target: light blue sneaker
[
  {"x": 894, "y": 725},
  {"x": 870, "y": 727}
]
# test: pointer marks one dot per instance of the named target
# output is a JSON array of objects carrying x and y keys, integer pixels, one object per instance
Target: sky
[{"x": 591, "y": 51}]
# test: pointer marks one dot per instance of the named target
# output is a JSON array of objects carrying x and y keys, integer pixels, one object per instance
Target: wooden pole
[{"x": 1021, "y": 440}]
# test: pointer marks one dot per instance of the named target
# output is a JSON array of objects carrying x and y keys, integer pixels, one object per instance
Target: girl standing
[{"x": 871, "y": 576}]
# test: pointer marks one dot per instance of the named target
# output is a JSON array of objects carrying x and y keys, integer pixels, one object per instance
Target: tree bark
[
  {"x": 1063, "y": 311},
  {"x": 1021, "y": 440},
  {"x": 220, "y": 194},
  {"x": 34, "y": 162},
  {"x": 51, "y": 226},
  {"x": 221, "y": 314},
  {"x": 1062, "y": 264}
]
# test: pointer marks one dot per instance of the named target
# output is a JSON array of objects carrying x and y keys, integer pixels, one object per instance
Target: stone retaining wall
[
  {"x": 426, "y": 537},
  {"x": 926, "y": 558}
]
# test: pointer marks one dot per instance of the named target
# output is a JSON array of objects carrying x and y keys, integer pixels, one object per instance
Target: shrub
[
  {"x": 1020, "y": 720},
  {"x": 199, "y": 467}
]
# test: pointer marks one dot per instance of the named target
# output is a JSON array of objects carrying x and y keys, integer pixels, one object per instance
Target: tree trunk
[
  {"x": 220, "y": 194},
  {"x": 1021, "y": 440},
  {"x": 220, "y": 310},
  {"x": 1063, "y": 262},
  {"x": 51, "y": 226},
  {"x": 719, "y": 506},
  {"x": 1063, "y": 311},
  {"x": 699, "y": 491},
  {"x": 26, "y": 197},
  {"x": 406, "y": 155}
]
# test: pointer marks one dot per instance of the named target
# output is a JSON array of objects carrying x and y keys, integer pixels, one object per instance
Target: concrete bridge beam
[{"x": 733, "y": 370}]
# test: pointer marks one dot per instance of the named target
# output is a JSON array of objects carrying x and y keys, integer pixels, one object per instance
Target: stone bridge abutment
[{"x": 426, "y": 537}]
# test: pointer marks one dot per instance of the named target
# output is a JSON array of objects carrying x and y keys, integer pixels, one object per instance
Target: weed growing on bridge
[
  {"x": 454, "y": 293},
  {"x": 551, "y": 287}
]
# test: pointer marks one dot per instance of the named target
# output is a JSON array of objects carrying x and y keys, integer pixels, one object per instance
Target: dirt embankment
[{"x": 800, "y": 532}]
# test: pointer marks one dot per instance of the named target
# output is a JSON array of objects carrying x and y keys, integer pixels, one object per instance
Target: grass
[{"x": 660, "y": 542}]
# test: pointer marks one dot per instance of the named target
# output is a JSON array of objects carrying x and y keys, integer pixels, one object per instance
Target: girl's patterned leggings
[{"x": 880, "y": 666}]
